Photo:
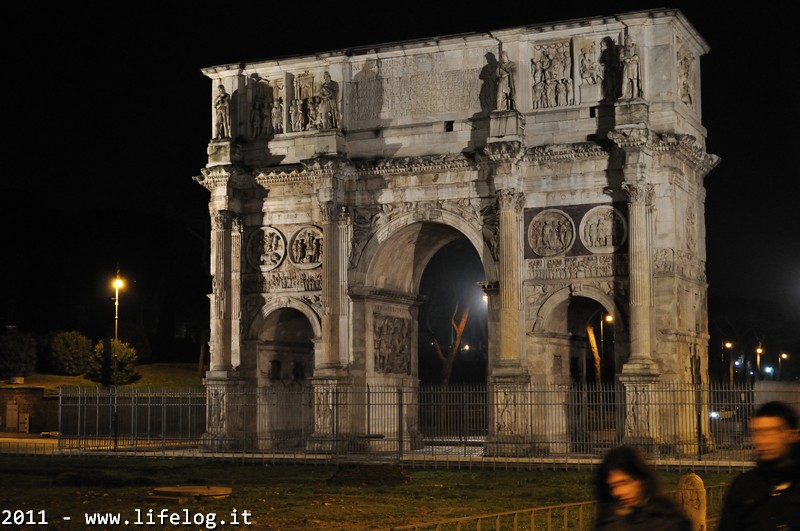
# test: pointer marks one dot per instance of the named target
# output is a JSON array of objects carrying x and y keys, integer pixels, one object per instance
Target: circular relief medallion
[
  {"x": 266, "y": 249},
  {"x": 603, "y": 229},
  {"x": 551, "y": 232},
  {"x": 305, "y": 247}
]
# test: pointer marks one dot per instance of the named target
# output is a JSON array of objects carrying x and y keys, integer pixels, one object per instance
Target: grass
[
  {"x": 285, "y": 497},
  {"x": 155, "y": 375}
]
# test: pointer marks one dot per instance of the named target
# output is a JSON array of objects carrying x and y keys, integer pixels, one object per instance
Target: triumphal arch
[{"x": 570, "y": 155}]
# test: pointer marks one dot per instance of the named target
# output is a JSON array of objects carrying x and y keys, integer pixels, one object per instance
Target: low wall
[{"x": 41, "y": 409}]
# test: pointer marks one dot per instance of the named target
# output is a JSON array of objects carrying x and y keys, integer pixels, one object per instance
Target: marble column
[
  {"x": 328, "y": 358},
  {"x": 511, "y": 266},
  {"x": 220, "y": 340},
  {"x": 640, "y": 277},
  {"x": 640, "y": 372},
  {"x": 237, "y": 229},
  {"x": 343, "y": 256}
]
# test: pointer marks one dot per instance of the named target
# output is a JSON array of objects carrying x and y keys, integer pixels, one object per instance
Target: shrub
[
  {"x": 17, "y": 354},
  {"x": 68, "y": 353},
  {"x": 112, "y": 362}
]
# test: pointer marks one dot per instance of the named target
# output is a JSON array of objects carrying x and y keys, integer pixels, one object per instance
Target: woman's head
[{"x": 624, "y": 477}]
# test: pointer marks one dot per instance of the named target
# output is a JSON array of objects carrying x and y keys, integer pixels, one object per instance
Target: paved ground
[{"x": 27, "y": 443}]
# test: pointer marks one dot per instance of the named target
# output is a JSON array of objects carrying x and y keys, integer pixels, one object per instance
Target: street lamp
[
  {"x": 783, "y": 356},
  {"x": 759, "y": 351},
  {"x": 117, "y": 284},
  {"x": 607, "y": 318},
  {"x": 726, "y": 345}
]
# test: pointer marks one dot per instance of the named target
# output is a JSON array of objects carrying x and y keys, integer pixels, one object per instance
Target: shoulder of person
[{"x": 667, "y": 509}]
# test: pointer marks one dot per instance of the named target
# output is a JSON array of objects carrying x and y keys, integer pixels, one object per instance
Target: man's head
[{"x": 774, "y": 430}]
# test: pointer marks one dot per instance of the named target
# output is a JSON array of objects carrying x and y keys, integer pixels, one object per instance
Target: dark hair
[
  {"x": 778, "y": 409},
  {"x": 629, "y": 460}
]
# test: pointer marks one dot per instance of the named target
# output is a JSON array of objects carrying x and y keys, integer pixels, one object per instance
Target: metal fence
[
  {"x": 478, "y": 425},
  {"x": 93, "y": 418},
  {"x": 577, "y": 516}
]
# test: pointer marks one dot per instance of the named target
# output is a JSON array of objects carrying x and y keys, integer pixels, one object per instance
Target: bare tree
[
  {"x": 449, "y": 360},
  {"x": 595, "y": 354}
]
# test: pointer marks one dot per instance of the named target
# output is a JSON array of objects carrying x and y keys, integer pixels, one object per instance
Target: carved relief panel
[
  {"x": 603, "y": 230},
  {"x": 392, "y": 343},
  {"x": 550, "y": 233},
  {"x": 305, "y": 247},
  {"x": 551, "y": 73},
  {"x": 687, "y": 76},
  {"x": 266, "y": 248},
  {"x": 575, "y": 230}
]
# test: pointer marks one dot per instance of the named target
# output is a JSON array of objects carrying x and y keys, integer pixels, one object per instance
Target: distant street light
[
  {"x": 783, "y": 356},
  {"x": 759, "y": 351},
  {"x": 726, "y": 345},
  {"x": 117, "y": 284},
  {"x": 607, "y": 318}
]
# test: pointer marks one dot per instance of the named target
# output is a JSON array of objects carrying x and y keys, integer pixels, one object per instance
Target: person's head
[
  {"x": 774, "y": 429},
  {"x": 625, "y": 478}
]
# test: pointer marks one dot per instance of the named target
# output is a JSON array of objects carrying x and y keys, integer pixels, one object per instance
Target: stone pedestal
[
  {"x": 506, "y": 126},
  {"x": 223, "y": 152},
  {"x": 230, "y": 416},
  {"x": 638, "y": 426},
  {"x": 628, "y": 112}
]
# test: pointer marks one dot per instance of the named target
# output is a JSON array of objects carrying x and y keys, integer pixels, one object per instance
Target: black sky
[{"x": 111, "y": 119}]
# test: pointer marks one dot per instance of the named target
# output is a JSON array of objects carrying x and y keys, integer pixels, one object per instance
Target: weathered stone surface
[{"x": 571, "y": 156}]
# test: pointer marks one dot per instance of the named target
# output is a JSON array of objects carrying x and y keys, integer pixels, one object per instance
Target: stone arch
[
  {"x": 390, "y": 272},
  {"x": 559, "y": 332},
  {"x": 435, "y": 225},
  {"x": 278, "y": 303},
  {"x": 545, "y": 320},
  {"x": 282, "y": 343}
]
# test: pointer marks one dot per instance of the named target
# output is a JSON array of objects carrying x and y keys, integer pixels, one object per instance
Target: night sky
[{"x": 112, "y": 119}]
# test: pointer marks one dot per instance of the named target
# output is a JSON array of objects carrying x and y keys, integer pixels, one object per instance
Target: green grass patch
[
  {"x": 154, "y": 375},
  {"x": 286, "y": 496}
]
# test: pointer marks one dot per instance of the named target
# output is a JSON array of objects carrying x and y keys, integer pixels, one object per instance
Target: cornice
[
  {"x": 688, "y": 150},
  {"x": 364, "y": 292},
  {"x": 216, "y": 176},
  {"x": 423, "y": 164},
  {"x": 283, "y": 175},
  {"x": 580, "y": 150},
  {"x": 510, "y": 151},
  {"x": 684, "y": 146},
  {"x": 326, "y": 165},
  {"x": 632, "y": 137}
]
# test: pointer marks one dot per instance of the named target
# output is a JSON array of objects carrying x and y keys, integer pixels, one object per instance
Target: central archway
[
  {"x": 391, "y": 268},
  {"x": 452, "y": 298}
]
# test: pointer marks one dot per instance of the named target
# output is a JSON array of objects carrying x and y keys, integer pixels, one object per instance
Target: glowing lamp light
[{"x": 117, "y": 284}]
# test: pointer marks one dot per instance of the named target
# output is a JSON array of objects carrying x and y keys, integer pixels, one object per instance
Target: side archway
[{"x": 282, "y": 338}]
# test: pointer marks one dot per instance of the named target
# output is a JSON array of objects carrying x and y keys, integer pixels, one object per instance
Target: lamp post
[
  {"x": 607, "y": 318},
  {"x": 783, "y": 356},
  {"x": 726, "y": 345},
  {"x": 759, "y": 351},
  {"x": 117, "y": 284}
]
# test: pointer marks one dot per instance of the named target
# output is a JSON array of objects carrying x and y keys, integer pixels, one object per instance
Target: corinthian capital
[
  {"x": 329, "y": 211},
  {"x": 510, "y": 198},
  {"x": 639, "y": 191}
]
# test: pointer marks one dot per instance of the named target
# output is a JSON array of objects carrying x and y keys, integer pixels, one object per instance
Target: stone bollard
[{"x": 692, "y": 499}]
